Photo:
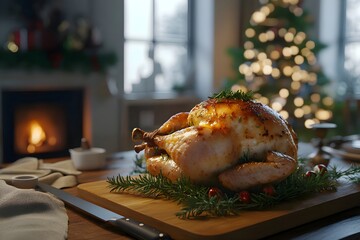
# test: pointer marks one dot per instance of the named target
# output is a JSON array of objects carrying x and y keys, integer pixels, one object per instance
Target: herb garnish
[
  {"x": 238, "y": 95},
  {"x": 197, "y": 202}
]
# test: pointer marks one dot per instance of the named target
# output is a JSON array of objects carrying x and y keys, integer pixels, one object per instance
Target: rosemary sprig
[
  {"x": 238, "y": 95},
  {"x": 146, "y": 185},
  {"x": 196, "y": 201}
]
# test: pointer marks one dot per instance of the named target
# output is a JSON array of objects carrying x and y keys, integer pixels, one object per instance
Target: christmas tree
[{"x": 278, "y": 62}]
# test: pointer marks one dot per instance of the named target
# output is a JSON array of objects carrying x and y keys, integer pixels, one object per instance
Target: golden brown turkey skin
[{"x": 206, "y": 144}]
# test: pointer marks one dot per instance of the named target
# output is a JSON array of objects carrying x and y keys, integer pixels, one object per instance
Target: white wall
[
  {"x": 226, "y": 35},
  {"x": 217, "y": 28},
  {"x": 107, "y": 16},
  {"x": 329, "y": 34},
  {"x": 204, "y": 47}
]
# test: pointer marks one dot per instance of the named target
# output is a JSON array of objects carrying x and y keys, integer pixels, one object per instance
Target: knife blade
[{"x": 133, "y": 228}]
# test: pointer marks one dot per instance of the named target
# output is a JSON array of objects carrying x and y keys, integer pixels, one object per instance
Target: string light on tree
[{"x": 278, "y": 61}]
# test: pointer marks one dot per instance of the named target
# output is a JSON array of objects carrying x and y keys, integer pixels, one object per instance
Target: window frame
[
  {"x": 343, "y": 41},
  {"x": 188, "y": 43}
]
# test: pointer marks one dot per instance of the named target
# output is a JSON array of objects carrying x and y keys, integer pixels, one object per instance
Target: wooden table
[{"x": 341, "y": 225}]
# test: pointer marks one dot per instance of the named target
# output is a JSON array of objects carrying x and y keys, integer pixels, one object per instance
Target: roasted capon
[{"x": 208, "y": 145}]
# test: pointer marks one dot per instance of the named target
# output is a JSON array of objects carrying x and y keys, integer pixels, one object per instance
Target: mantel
[{"x": 24, "y": 78}]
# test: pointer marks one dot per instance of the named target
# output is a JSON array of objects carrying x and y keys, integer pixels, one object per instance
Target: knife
[{"x": 135, "y": 229}]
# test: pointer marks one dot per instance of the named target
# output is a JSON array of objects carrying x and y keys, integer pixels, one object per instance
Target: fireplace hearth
[{"x": 41, "y": 123}]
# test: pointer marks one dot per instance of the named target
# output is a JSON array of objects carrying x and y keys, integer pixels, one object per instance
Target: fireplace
[{"x": 41, "y": 123}]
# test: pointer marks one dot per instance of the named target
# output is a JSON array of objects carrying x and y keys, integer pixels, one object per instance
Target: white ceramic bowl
[
  {"x": 88, "y": 159},
  {"x": 24, "y": 181}
]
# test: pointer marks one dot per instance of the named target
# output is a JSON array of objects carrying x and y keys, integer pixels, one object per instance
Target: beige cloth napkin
[
  {"x": 61, "y": 174},
  {"x": 32, "y": 215}
]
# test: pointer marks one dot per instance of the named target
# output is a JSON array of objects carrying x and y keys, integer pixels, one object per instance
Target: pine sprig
[
  {"x": 201, "y": 205},
  {"x": 351, "y": 174},
  {"x": 196, "y": 201},
  {"x": 238, "y": 95},
  {"x": 146, "y": 185}
]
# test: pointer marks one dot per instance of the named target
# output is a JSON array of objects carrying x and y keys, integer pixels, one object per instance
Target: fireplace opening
[{"x": 43, "y": 124}]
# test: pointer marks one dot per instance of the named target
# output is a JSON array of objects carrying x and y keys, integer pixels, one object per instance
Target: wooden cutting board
[{"x": 248, "y": 225}]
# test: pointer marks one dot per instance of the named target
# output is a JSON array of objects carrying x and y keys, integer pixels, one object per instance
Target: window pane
[
  {"x": 352, "y": 18},
  {"x": 173, "y": 61},
  {"x": 138, "y": 19},
  {"x": 155, "y": 61},
  {"x": 135, "y": 66},
  {"x": 171, "y": 19},
  {"x": 352, "y": 61},
  {"x": 352, "y": 57}
]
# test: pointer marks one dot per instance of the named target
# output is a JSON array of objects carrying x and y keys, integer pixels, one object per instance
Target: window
[
  {"x": 351, "y": 41},
  {"x": 156, "y": 45}
]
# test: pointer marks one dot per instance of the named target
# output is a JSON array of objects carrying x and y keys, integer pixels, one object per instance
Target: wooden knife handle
[{"x": 138, "y": 230}]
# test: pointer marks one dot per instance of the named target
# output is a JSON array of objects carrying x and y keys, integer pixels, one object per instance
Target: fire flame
[{"x": 37, "y": 136}]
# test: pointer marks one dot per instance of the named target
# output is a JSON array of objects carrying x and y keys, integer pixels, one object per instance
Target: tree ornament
[
  {"x": 244, "y": 197},
  {"x": 269, "y": 190},
  {"x": 310, "y": 174},
  {"x": 320, "y": 169},
  {"x": 214, "y": 192}
]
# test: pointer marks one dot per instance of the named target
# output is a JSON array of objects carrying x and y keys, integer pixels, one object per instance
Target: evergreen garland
[
  {"x": 197, "y": 202},
  {"x": 60, "y": 60}
]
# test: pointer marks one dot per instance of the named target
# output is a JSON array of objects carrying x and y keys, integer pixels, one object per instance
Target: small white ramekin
[
  {"x": 24, "y": 181},
  {"x": 88, "y": 159}
]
